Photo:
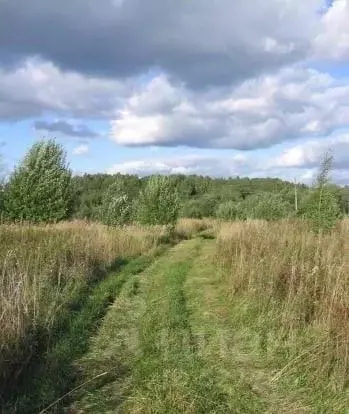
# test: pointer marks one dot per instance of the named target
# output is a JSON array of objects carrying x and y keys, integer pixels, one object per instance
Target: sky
[{"x": 221, "y": 88}]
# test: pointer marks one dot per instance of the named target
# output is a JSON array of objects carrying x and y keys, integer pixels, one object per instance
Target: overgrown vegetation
[
  {"x": 158, "y": 203},
  {"x": 280, "y": 251},
  {"x": 322, "y": 206},
  {"x": 46, "y": 272},
  {"x": 290, "y": 289},
  {"x": 116, "y": 208}
]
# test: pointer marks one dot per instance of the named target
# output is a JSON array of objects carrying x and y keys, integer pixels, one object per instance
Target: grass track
[
  {"x": 170, "y": 341},
  {"x": 175, "y": 342}
]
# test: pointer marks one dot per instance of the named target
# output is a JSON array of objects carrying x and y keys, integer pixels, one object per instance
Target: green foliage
[
  {"x": 191, "y": 209},
  {"x": 158, "y": 203},
  {"x": 90, "y": 192},
  {"x": 264, "y": 206},
  {"x": 344, "y": 199},
  {"x": 231, "y": 210},
  {"x": 322, "y": 206},
  {"x": 116, "y": 208},
  {"x": 39, "y": 189},
  {"x": 199, "y": 196},
  {"x": 267, "y": 206},
  {"x": 322, "y": 210},
  {"x": 203, "y": 206}
]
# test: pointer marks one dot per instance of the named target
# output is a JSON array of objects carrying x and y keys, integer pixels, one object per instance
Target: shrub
[
  {"x": 39, "y": 188},
  {"x": 201, "y": 207},
  {"x": 116, "y": 208},
  {"x": 191, "y": 209},
  {"x": 322, "y": 206},
  {"x": 158, "y": 203},
  {"x": 267, "y": 206},
  {"x": 231, "y": 210}
]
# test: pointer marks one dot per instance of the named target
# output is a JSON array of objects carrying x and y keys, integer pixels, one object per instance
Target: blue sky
[{"x": 215, "y": 88}]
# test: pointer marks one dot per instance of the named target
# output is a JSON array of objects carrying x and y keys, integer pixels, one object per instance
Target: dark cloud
[
  {"x": 203, "y": 42},
  {"x": 65, "y": 128}
]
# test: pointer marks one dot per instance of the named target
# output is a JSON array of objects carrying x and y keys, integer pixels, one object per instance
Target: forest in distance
[{"x": 43, "y": 189}]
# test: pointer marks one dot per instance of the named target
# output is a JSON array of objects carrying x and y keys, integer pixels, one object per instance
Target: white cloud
[
  {"x": 224, "y": 166},
  {"x": 310, "y": 153},
  {"x": 81, "y": 150},
  {"x": 231, "y": 74},
  {"x": 333, "y": 40},
  {"x": 38, "y": 87},
  {"x": 292, "y": 103},
  {"x": 200, "y": 164},
  {"x": 300, "y": 162}
]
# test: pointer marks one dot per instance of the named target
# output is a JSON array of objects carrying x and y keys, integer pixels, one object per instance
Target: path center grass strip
[{"x": 168, "y": 375}]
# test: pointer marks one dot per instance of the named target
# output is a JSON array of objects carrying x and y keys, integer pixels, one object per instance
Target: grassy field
[
  {"x": 233, "y": 318},
  {"x": 291, "y": 289},
  {"x": 54, "y": 288}
]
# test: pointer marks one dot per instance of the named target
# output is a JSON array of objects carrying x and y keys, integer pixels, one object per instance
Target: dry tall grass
[
  {"x": 187, "y": 228},
  {"x": 43, "y": 267},
  {"x": 296, "y": 286}
]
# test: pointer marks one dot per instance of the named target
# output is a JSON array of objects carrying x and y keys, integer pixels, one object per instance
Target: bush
[
  {"x": 191, "y": 209},
  {"x": 271, "y": 206},
  {"x": 204, "y": 206},
  {"x": 39, "y": 189},
  {"x": 116, "y": 208},
  {"x": 322, "y": 207},
  {"x": 158, "y": 203},
  {"x": 231, "y": 210},
  {"x": 267, "y": 206}
]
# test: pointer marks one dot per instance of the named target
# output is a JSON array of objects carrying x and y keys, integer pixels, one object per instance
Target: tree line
[{"x": 42, "y": 189}]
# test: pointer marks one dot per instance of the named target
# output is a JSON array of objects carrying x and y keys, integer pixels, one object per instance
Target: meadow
[
  {"x": 212, "y": 316},
  {"x": 290, "y": 290},
  {"x": 47, "y": 272}
]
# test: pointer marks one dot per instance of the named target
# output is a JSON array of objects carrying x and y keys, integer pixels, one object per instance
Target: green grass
[
  {"x": 288, "y": 290},
  {"x": 168, "y": 375},
  {"x": 166, "y": 358},
  {"x": 47, "y": 272},
  {"x": 180, "y": 337},
  {"x": 51, "y": 375},
  {"x": 176, "y": 341}
]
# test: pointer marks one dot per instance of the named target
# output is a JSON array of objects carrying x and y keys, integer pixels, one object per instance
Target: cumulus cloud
[
  {"x": 219, "y": 166},
  {"x": 81, "y": 150},
  {"x": 37, "y": 87},
  {"x": 292, "y": 103},
  {"x": 199, "y": 41},
  {"x": 332, "y": 42},
  {"x": 200, "y": 73},
  {"x": 300, "y": 163},
  {"x": 310, "y": 153},
  {"x": 65, "y": 128}
]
